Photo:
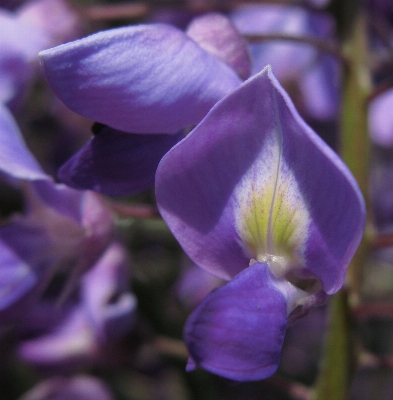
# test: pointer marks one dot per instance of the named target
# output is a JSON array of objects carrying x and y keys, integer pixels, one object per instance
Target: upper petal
[
  {"x": 253, "y": 180},
  {"x": 141, "y": 79}
]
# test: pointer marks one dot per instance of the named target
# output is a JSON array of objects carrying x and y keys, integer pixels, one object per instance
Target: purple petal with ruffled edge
[
  {"x": 215, "y": 33},
  {"x": 117, "y": 163},
  {"x": 140, "y": 79},
  {"x": 15, "y": 159},
  {"x": 252, "y": 181},
  {"x": 238, "y": 330}
]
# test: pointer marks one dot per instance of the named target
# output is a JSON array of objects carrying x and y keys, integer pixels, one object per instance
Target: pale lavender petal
[
  {"x": 28, "y": 259},
  {"x": 20, "y": 43},
  {"x": 250, "y": 161},
  {"x": 18, "y": 281},
  {"x": 106, "y": 296},
  {"x": 194, "y": 285},
  {"x": 15, "y": 159},
  {"x": 238, "y": 331},
  {"x": 84, "y": 211},
  {"x": 381, "y": 120},
  {"x": 215, "y": 33},
  {"x": 140, "y": 79},
  {"x": 55, "y": 17},
  {"x": 70, "y": 344},
  {"x": 320, "y": 87},
  {"x": 117, "y": 163},
  {"x": 21, "y": 36}
]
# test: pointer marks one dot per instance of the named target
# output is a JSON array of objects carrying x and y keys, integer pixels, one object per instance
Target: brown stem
[
  {"x": 323, "y": 45},
  {"x": 110, "y": 12},
  {"x": 381, "y": 88},
  {"x": 373, "y": 310},
  {"x": 141, "y": 9},
  {"x": 381, "y": 241},
  {"x": 127, "y": 210}
]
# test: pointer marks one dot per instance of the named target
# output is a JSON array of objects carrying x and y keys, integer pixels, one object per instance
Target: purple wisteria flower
[
  {"x": 255, "y": 197},
  {"x": 144, "y": 85}
]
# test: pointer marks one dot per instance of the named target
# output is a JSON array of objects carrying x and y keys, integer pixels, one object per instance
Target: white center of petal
[{"x": 271, "y": 215}]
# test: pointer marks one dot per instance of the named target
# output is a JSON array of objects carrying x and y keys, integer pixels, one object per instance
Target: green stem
[
  {"x": 338, "y": 356},
  {"x": 334, "y": 376}
]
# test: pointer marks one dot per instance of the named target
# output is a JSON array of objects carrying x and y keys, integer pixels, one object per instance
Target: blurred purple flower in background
[
  {"x": 34, "y": 26},
  {"x": 79, "y": 387},
  {"x": 61, "y": 232},
  {"x": 101, "y": 312},
  {"x": 381, "y": 119},
  {"x": 242, "y": 199},
  {"x": 310, "y": 76},
  {"x": 146, "y": 84}
]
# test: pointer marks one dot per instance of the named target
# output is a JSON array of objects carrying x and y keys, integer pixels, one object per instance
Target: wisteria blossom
[
  {"x": 144, "y": 85},
  {"x": 255, "y": 197}
]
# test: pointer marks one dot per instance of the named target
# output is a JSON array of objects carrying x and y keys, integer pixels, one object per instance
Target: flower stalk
[{"x": 338, "y": 359}]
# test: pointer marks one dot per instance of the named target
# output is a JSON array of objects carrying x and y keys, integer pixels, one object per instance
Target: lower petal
[{"x": 238, "y": 330}]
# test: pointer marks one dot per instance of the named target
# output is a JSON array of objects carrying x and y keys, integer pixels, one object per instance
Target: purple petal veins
[{"x": 140, "y": 79}]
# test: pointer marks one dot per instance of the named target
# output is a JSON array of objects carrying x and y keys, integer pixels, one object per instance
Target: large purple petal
[
  {"x": 253, "y": 181},
  {"x": 238, "y": 330},
  {"x": 117, "y": 163},
  {"x": 141, "y": 79},
  {"x": 15, "y": 159}
]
